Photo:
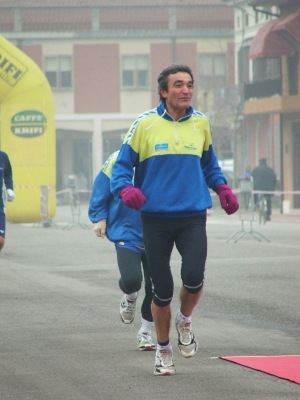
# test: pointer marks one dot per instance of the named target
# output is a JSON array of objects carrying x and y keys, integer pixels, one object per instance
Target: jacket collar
[{"x": 162, "y": 111}]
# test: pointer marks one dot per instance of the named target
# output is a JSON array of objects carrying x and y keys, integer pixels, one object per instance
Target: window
[
  {"x": 246, "y": 19},
  {"x": 135, "y": 71},
  {"x": 58, "y": 71},
  {"x": 212, "y": 71},
  {"x": 266, "y": 69},
  {"x": 293, "y": 67}
]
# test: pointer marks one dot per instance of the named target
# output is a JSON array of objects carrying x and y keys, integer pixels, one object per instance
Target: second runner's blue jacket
[{"x": 123, "y": 223}]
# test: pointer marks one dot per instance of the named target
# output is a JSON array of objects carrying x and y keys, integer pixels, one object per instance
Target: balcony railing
[{"x": 261, "y": 89}]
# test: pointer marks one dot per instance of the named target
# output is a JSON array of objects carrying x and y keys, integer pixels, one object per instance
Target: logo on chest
[
  {"x": 190, "y": 146},
  {"x": 161, "y": 147}
]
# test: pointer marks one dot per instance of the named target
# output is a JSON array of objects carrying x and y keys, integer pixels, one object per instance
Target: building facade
[
  {"x": 267, "y": 44},
  {"x": 102, "y": 60}
]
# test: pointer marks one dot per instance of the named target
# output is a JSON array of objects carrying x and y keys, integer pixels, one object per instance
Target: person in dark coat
[
  {"x": 264, "y": 178},
  {"x": 6, "y": 182}
]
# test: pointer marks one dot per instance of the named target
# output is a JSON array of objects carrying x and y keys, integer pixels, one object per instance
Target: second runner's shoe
[
  {"x": 127, "y": 310},
  {"x": 144, "y": 342}
]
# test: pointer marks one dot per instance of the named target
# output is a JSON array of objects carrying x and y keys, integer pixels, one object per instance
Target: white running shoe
[
  {"x": 187, "y": 344},
  {"x": 144, "y": 342},
  {"x": 127, "y": 310},
  {"x": 164, "y": 364}
]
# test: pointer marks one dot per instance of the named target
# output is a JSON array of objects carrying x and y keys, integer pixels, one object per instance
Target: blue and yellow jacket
[
  {"x": 175, "y": 164},
  {"x": 123, "y": 223}
]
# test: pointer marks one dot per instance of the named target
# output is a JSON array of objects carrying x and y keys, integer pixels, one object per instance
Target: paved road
[{"x": 61, "y": 337}]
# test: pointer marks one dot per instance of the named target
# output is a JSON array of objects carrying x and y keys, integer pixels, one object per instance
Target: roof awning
[
  {"x": 270, "y": 43},
  {"x": 290, "y": 24}
]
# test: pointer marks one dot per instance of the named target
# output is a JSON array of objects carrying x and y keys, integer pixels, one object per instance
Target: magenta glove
[
  {"x": 132, "y": 197},
  {"x": 228, "y": 199}
]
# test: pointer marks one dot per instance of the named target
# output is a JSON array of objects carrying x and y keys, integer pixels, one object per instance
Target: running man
[{"x": 171, "y": 149}]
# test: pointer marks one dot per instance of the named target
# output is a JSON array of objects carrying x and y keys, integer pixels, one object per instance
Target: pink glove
[
  {"x": 228, "y": 199},
  {"x": 132, "y": 197}
]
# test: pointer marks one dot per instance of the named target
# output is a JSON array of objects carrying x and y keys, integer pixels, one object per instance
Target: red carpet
[{"x": 285, "y": 367}]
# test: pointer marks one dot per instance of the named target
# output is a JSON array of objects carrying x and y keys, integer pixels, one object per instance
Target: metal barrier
[
  {"x": 75, "y": 208},
  {"x": 247, "y": 211}
]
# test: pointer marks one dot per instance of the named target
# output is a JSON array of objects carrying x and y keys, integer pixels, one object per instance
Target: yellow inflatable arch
[{"x": 27, "y": 133}]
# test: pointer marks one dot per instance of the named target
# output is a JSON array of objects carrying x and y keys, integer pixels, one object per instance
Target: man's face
[{"x": 180, "y": 92}]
